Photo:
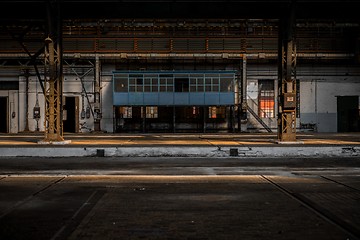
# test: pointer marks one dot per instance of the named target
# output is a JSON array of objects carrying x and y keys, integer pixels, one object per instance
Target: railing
[
  {"x": 259, "y": 119},
  {"x": 256, "y": 116}
]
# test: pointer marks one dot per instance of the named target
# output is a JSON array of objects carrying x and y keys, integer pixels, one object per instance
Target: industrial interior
[{"x": 179, "y": 67}]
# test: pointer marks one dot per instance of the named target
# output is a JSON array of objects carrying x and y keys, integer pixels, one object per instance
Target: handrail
[{"x": 265, "y": 114}]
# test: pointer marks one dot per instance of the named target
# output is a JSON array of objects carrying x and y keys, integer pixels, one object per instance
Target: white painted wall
[
  {"x": 35, "y": 91},
  {"x": 107, "y": 103},
  {"x": 318, "y": 101}
]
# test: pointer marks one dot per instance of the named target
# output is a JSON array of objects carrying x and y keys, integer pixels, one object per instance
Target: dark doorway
[
  {"x": 348, "y": 114},
  {"x": 69, "y": 115},
  {"x": 4, "y": 115},
  {"x": 181, "y": 85}
]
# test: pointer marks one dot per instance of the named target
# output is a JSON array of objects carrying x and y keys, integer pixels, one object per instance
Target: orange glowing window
[{"x": 266, "y": 99}]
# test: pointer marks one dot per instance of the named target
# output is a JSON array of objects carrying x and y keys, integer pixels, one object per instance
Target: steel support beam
[
  {"x": 53, "y": 94},
  {"x": 53, "y": 77},
  {"x": 243, "y": 100},
  {"x": 287, "y": 78},
  {"x": 97, "y": 108}
]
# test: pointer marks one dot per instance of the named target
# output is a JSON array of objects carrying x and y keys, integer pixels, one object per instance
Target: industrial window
[
  {"x": 216, "y": 112},
  {"x": 226, "y": 82},
  {"x": 121, "y": 84},
  {"x": 200, "y": 84},
  {"x": 136, "y": 83},
  {"x": 177, "y": 82},
  {"x": 9, "y": 85},
  {"x": 195, "y": 111},
  {"x": 151, "y": 83},
  {"x": 166, "y": 83},
  {"x": 266, "y": 99},
  {"x": 151, "y": 112},
  {"x": 126, "y": 112},
  {"x": 192, "y": 112},
  {"x": 193, "y": 84}
]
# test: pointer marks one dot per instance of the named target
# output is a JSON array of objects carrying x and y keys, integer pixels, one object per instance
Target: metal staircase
[{"x": 259, "y": 119}]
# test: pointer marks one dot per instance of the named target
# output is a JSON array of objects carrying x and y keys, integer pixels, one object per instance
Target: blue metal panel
[
  {"x": 151, "y": 99},
  {"x": 197, "y": 98},
  {"x": 120, "y": 99},
  {"x": 213, "y": 82},
  {"x": 136, "y": 98},
  {"x": 176, "y": 72},
  {"x": 227, "y": 98},
  {"x": 212, "y": 98},
  {"x": 166, "y": 98},
  {"x": 181, "y": 98}
]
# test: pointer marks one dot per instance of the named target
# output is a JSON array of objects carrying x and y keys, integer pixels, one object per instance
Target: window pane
[
  {"x": 266, "y": 99},
  {"x": 154, "y": 88},
  {"x": 121, "y": 85},
  {"x": 170, "y": 88},
  {"x": 162, "y": 81},
  {"x": 147, "y": 81},
  {"x": 139, "y": 88},
  {"x": 131, "y": 88}
]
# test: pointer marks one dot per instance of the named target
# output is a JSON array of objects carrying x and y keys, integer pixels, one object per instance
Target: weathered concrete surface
[
  {"x": 181, "y": 145},
  {"x": 182, "y": 151}
]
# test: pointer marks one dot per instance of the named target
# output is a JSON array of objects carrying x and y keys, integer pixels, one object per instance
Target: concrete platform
[{"x": 182, "y": 145}]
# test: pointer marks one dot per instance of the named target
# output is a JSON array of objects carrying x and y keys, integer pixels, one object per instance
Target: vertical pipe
[
  {"x": 174, "y": 119},
  {"x": 243, "y": 99},
  {"x": 27, "y": 100},
  {"x": 143, "y": 111},
  {"x": 236, "y": 108},
  {"x": 97, "y": 109},
  {"x": 59, "y": 72},
  {"x": 244, "y": 83},
  {"x": 204, "y": 118}
]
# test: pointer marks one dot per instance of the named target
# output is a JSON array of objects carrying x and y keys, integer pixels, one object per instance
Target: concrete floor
[
  {"x": 180, "y": 186},
  {"x": 200, "y": 139},
  {"x": 179, "y": 198},
  {"x": 181, "y": 145}
]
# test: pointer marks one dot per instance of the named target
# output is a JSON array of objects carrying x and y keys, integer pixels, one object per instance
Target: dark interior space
[
  {"x": 348, "y": 114},
  {"x": 3, "y": 116},
  {"x": 69, "y": 121}
]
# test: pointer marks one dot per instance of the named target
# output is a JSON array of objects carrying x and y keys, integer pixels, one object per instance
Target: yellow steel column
[
  {"x": 53, "y": 94},
  {"x": 287, "y": 78}
]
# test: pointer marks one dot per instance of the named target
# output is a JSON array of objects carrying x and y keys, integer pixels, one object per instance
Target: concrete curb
[{"x": 172, "y": 151}]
